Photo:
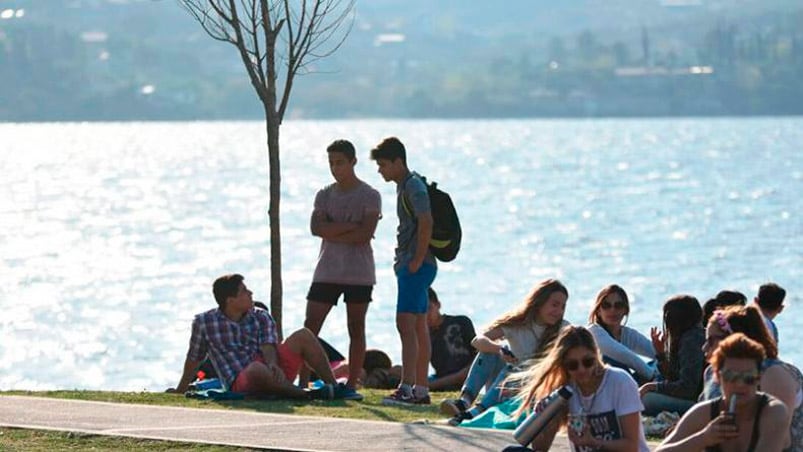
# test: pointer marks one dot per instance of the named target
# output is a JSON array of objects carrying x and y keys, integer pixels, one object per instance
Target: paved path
[{"x": 245, "y": 428}]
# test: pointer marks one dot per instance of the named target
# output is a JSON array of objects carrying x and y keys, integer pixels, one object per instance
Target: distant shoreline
[{"x": 393, "y": 118}]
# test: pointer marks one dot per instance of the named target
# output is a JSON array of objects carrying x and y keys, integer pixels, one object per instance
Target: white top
[
  {"x": 524, "y": 340},
  {"x": 616, "y": 396},
  {"x": 628, "y": 351}
]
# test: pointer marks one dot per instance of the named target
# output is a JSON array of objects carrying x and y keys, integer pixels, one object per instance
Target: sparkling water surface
[{"x": 112, "y": 233}]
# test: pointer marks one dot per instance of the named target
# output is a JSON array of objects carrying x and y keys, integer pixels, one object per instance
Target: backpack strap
[{"x": 404, "y": 202}]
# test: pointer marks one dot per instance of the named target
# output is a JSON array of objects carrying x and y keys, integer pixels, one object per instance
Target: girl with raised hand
[
  {"x": 778, "y": 378},
  {"x": 680, "y": 358},
  {"x": 604, "y": 410},
  {"x": 513, "y": 339},
  {"x": 742, "y": 419},
  {"x": 620, "y": 345}
]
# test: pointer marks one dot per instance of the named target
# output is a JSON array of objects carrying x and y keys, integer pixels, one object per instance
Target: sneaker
[
  {"x": 459, "y": 418},
  {"x": 453, "y": 407},
  {"x": 346, "y": 393},
  {"x": 422, "y": 400},
  {"x": 399, "y": 398},
  {"x": 325, "y": 392}
]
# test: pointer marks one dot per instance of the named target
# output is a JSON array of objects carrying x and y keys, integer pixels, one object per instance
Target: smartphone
[{"x": 730, "y": 415}]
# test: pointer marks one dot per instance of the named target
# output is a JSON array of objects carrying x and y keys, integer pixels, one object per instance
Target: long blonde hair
[
  {"x": 548, "y": 374},
  {"x": 527, "y": 312}
]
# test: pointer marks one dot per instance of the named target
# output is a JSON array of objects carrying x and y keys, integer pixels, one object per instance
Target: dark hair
[
  {"x": 748, "y": 320},
  {"x": 344, "y": 147},
  {"x": 226, "y": 286},
  {"x": 723, "y": 299},
  {"x": 770, "y": 296},
  {"x": 738, "y": 346},
  {"x": 376, "y": 359},
  {"x": 601, "y": 296},
  {"x": 432, "y": 295},
  {"x": 681, "y": 313},
  {"x": 389, "y": 149}
]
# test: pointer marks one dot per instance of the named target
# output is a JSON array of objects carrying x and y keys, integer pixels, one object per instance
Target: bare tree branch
[{"x": 265, "y": 32}]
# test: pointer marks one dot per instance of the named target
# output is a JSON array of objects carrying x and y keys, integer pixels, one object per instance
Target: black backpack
[{"x": 446, "y": 232}]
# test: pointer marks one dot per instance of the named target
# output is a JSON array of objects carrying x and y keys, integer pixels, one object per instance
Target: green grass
[
  {"x": 370, "y": 409},
  {"x": 14, "y": 439}
]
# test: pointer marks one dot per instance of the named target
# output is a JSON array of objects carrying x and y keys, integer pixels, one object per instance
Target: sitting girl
[
  {"x": 680, "y": 358},
  {"x": 742, "y": 419},
  {"x": 778, "y": 378},
  {"x": 604, "y": 411},
  {"x": 528, "y": 330},
  {"x": 620, "y": 345}
]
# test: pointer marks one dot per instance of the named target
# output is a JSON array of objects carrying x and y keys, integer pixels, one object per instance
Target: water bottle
[
  {"x": 537, "y": 421},
  {"x": 202, "y": 385}
]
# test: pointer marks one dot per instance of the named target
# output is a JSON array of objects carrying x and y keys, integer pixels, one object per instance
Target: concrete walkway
[{"x": 245, "y": 428}]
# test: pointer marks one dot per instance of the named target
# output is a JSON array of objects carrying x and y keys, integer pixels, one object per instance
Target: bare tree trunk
[{"x": 274, "y": 170}]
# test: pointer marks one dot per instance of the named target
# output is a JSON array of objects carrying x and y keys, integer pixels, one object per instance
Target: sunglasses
[
  {"x": 731, "y": 376},
  {"x": 617, "y": 305},
  {"x": 587, "y": 362}
]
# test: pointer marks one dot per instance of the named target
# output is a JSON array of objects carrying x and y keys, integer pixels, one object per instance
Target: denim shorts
[{"x": 412, "y": 288}]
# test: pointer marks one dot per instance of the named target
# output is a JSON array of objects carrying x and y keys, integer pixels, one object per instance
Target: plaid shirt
[{"x": 230, "y": 345}]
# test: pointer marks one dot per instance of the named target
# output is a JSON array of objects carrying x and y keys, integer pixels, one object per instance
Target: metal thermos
[{"x": 537, "y": 421}]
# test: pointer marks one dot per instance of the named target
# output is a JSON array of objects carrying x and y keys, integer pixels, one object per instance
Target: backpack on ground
[{"x": 446, "y": 232}]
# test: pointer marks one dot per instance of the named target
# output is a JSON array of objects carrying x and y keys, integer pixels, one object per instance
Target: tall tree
[{"x": 276, "y": 40}]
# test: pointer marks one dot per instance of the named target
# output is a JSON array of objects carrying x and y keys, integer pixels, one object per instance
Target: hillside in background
[{"x": 148, "y": 59}]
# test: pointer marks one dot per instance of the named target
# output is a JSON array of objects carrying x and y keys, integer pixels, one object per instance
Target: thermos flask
[{"x": 537, "y": 421}]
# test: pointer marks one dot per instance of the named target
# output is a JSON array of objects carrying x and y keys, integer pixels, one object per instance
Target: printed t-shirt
[{"x": 616, "y": 396}]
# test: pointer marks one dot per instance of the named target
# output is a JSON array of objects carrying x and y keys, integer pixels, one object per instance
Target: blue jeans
[
  {"x": 655, "y": 402},
  {"x": 488, "y": 370}
]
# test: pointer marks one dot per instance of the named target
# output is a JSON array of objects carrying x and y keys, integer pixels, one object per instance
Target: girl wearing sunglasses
[
  {"x": 742, "y": 419},
  {"x": 621, "y": 346},
  {"x": 780, "y": 379},
  {"x": 603, "y": 413}
]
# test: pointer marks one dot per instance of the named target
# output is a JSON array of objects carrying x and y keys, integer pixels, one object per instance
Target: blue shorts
[{"x": 412, "y": 288}]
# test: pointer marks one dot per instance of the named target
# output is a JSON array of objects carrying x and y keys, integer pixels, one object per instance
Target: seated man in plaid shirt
[{"x": 242, "y": 343}]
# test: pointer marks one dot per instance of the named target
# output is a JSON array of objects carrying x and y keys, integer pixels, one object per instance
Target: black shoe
[
  {"x": 453, "y": 407},
  {"x": 459, "y": 418},
  {"x": 325, "y": 392}
]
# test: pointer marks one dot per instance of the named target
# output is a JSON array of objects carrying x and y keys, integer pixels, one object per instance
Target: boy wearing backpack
[{"x": 415, "y": 269}]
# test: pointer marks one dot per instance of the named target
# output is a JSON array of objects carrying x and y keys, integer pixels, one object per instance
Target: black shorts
[{"x": 330, "y": 292}]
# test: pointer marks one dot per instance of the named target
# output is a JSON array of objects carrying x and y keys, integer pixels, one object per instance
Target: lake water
[{"x": 113, "y": 233}]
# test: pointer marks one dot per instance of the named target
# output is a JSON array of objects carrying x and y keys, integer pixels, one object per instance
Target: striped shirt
[{"x": 230, "y": 345}]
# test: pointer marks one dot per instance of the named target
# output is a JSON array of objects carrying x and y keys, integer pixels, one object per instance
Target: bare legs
[
  {"x": 414, "y": 335},
  {"x": 355, "y": 313}
]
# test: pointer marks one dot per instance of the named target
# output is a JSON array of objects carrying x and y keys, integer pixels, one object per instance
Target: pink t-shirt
[{"x": 347, "y": 263}]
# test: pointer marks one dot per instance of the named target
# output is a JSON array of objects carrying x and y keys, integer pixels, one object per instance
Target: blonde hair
[{"x": 548, "y": 374}]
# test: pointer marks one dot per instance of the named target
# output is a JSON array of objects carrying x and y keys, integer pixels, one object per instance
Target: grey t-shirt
[
  {"x": 347, "y": 263},
  {"x": 414, "y": 191}
]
